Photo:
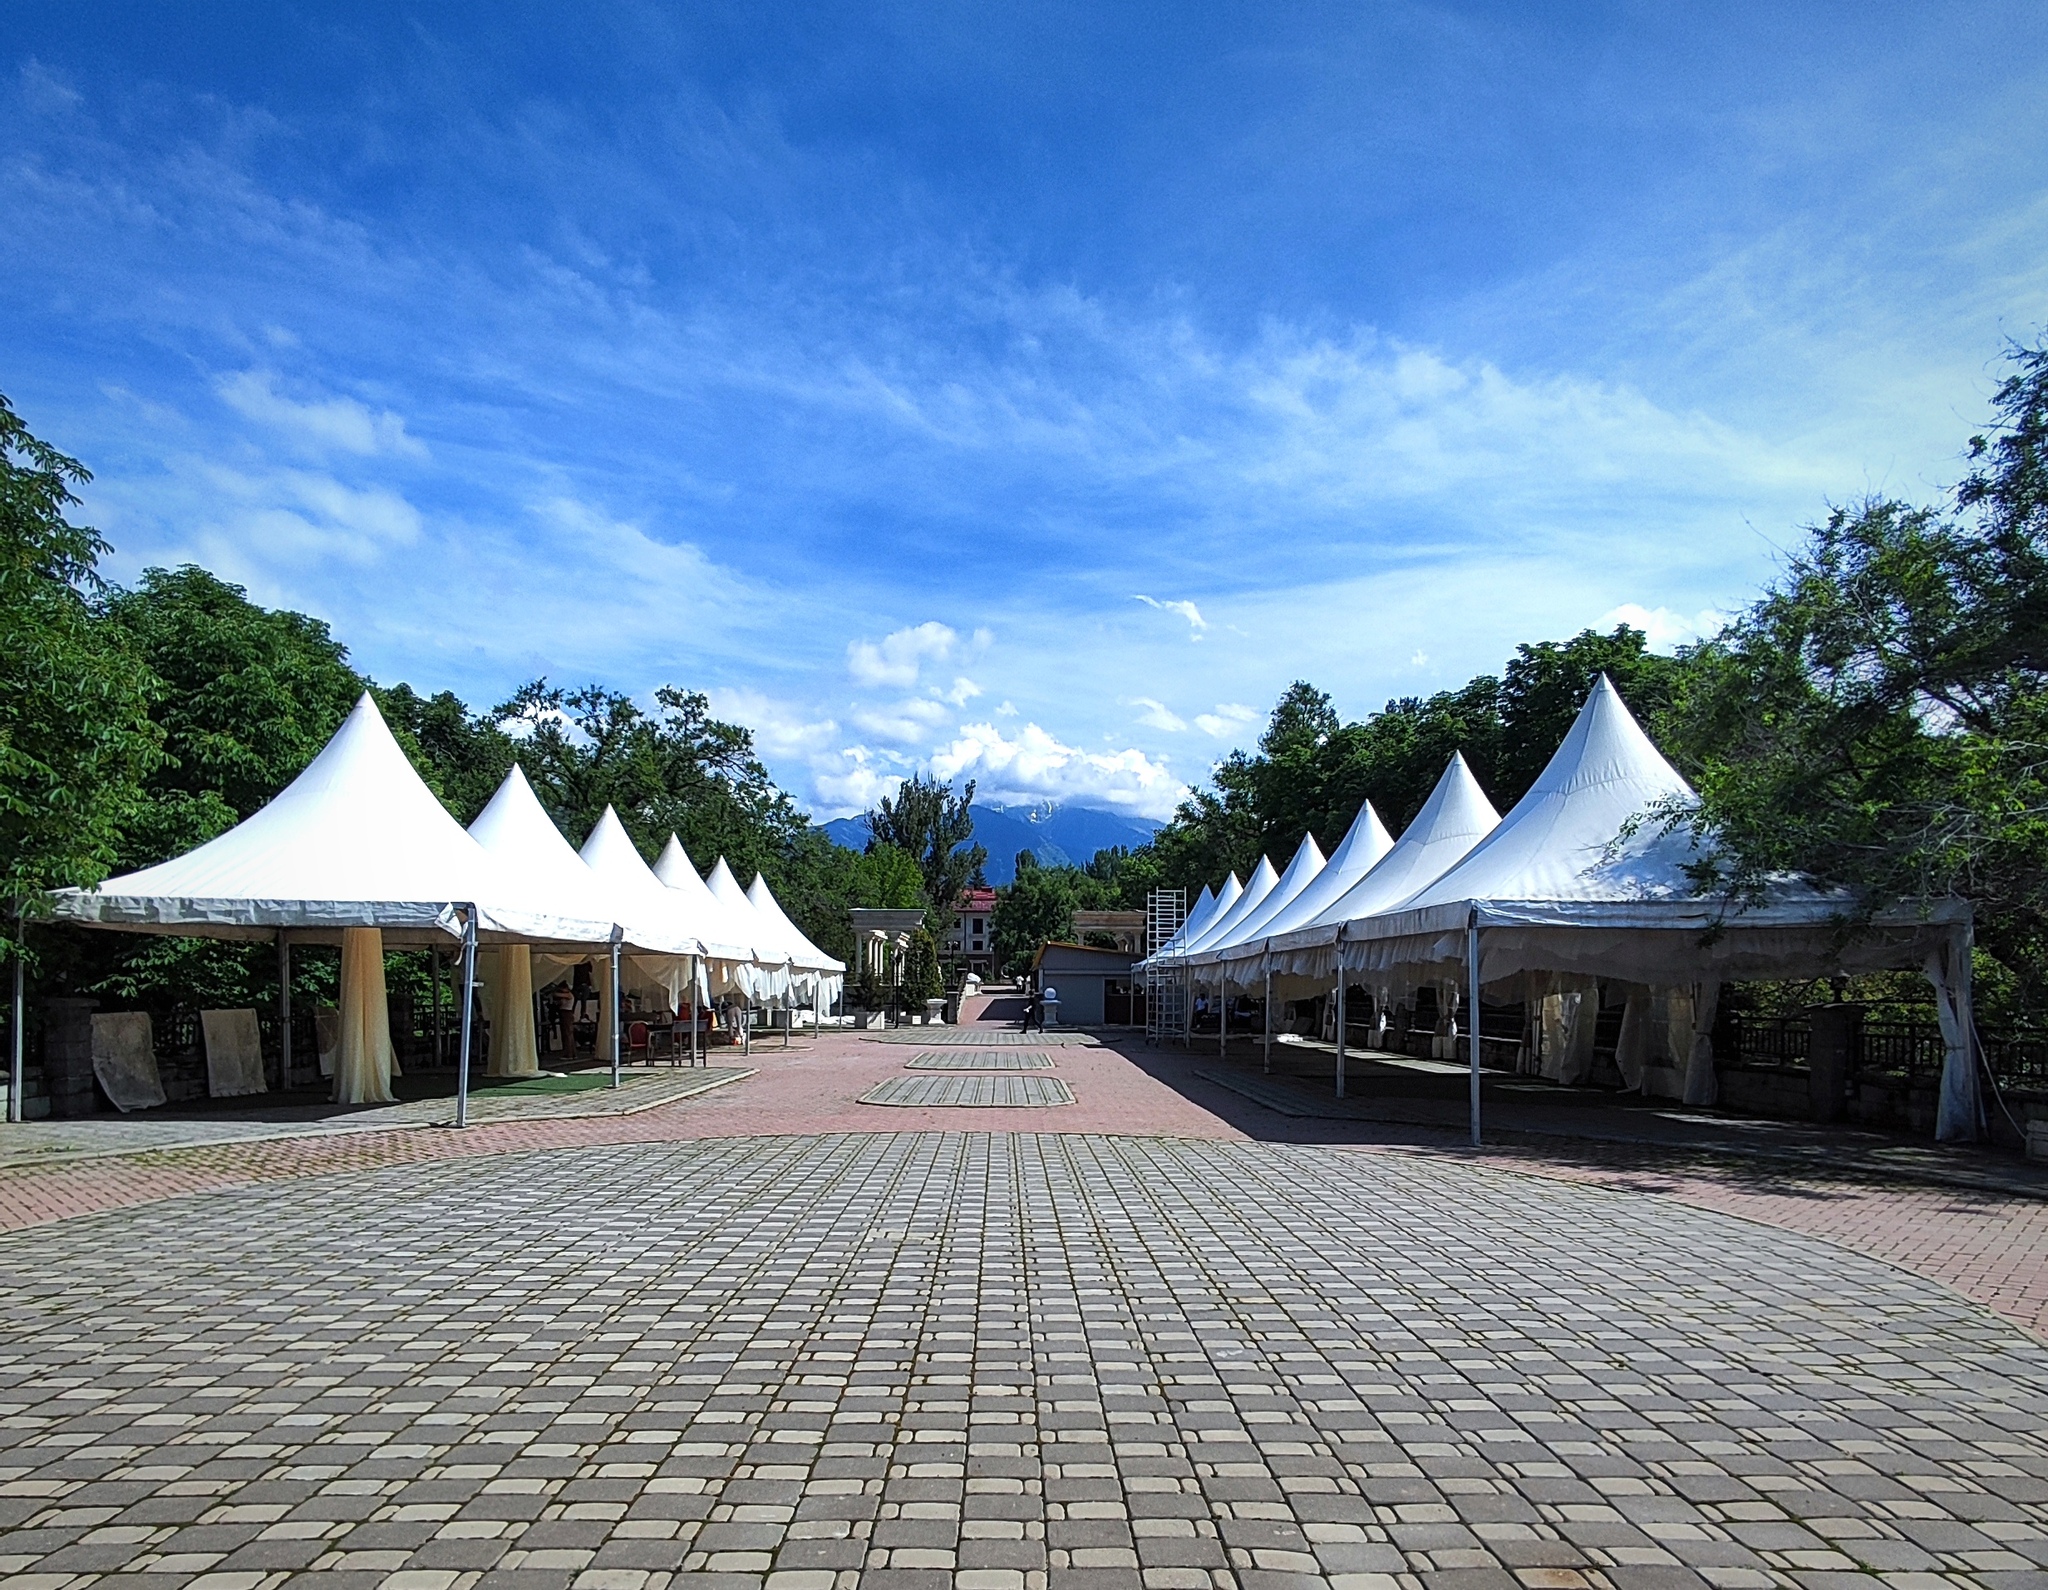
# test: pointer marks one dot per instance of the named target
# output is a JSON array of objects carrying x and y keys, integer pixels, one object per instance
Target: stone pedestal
[
  {"x": 67, "y": 1055},
  {"x": 1837, "y": 1036}
]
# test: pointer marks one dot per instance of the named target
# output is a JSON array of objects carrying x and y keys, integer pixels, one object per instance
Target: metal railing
[{"x": 1911, "y": 1051}]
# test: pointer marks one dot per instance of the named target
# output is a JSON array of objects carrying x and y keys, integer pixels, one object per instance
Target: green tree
[
  {"x": 926, "y": 819},
  {"x": 76, "y": 739},
  {"x": 1038, "y": 907},
  {"x": 677, "y": 770},
  {"x": 1878, "y": 720},
  {"x": 249, "y": 697},
  {"x": 922, "y": 978}
]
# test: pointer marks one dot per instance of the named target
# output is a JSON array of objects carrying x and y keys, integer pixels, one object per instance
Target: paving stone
[
  {"x": 980, "y": 1057},
  {"x": 979, "y": 1092},
  {"x": 1058, "y": 1362}
]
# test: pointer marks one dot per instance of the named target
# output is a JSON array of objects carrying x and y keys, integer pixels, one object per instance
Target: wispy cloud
[
  {"x": 1228, "y": 718},
  {"x": 1665, "y": 630},
  {"x": 1187, "y": 610},
  {"x": 323, "y": 424},
  {"x": 1157, "y": 715}
]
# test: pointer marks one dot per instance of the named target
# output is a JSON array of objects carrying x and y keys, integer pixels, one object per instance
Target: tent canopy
[
  {"x": 1362, "y": 849},
  {"x": 1304, "y": 869},
  {"x": 517, "y": 831},
  {"x": 1456, "y": 817},
  {"x": 1583, "y": 876},
  {"x": 728, "y": 936},
  {"x": 805, "y": 955},
  {"x": 1256, "y": 888},
  {"x": 356, "y": 840}
]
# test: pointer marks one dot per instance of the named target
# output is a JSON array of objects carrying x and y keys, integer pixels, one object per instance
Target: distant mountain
[{"x": 1056, "y": 835}]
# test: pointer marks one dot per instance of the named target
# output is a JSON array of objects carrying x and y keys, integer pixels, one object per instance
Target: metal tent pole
[
  {"x": 1222, "y": 1023},
  {"x": 284, "y": 1013},
  {"x": 1472, "y": 1015},
  {"x": 1340, "y": 1029},
  {"x": 434, "y": 978},
  {"x": 618, "y": 934},
  {"x": 468, "y": 1008},
  {"x": 696, "y": 1011}
]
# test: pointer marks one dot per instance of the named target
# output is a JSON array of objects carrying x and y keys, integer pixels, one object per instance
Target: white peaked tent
[
  {"x": 819, "y": 978},
  {"x": 726, "y": 938},
  {"x": 1582, "y": 879},
  {"x": 1233, "y": 960},
  {"x": 770, "y": 980},
  {"x": 804, "y": 955},
  {"x": 355, "y": 841},
  {"x": 518, "y": 832},
  {"x": 1363, "y": 847},
  {"x": 1456, "y": 817},
  {"x": 1198, "y": 918},
  {"x": 356, "y": 849},
  {"x": 1256, "y": 888},
  {"x": 1303, "y": 870}
]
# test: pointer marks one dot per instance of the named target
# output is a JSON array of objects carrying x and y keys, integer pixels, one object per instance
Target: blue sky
[{"x": 1024, "y": 393}]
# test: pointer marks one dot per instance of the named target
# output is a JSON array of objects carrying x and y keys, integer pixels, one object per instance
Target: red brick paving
[{"x": 1991, "y": 1248}]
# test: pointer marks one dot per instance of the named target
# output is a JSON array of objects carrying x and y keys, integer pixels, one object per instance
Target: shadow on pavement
[{"x": 1394, "y": 1101}]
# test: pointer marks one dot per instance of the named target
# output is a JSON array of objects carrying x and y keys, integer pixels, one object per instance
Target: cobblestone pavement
[
  {"x": 965, "y": 1058},
  {"x": 994, "y": 1362},
  {"x": 984, "y": 1092}
]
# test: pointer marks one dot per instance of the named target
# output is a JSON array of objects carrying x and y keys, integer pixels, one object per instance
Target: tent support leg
[
  {"x": 284, "y": 1013},
  {"x": 617, "y": 1080},
  {"x": 1266, "y": 1040},
  {"x": 434, "y": 977},
  {"x": 17, "y": 1069},
  {"x": 1222, "y": 1024},
  {"x": 1340, "y": 1032},
  {"x": 468, "y": 1010},
  {"x": 1472, "y": 1014}
]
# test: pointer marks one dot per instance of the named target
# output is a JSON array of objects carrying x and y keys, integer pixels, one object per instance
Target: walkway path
[{"x": 946, "y": 1361}]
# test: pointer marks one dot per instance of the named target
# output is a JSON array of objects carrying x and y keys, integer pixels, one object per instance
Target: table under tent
[
  {"x": 1584, "y": 882},
  {"x": 358, "y": 852}
]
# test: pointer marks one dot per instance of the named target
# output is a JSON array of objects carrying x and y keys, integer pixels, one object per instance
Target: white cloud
[
  {"x": 964, "y": 690},
  {"x": 1032, "y": 764},
  {"x": 286, "y": 517},
  {"x": 1665, "y": 630},
  {"x": 780, "y": 729},
  {"x": 897, "y": 657},
  {"x": 324, "y": 424},
  {"x": 1187, "y": 610},
  {"x": 908, "y": 722},
  {"x": 1228, "y": 718},
  {"x": 1158, "y": 715},
  {"x": 849, "y": 781}
]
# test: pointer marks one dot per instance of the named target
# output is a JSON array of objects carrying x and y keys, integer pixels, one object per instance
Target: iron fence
[{"x": 1910, "y": 1051}]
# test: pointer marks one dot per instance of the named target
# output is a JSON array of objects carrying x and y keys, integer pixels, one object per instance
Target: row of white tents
[
  {"x": 1585, "y": 881},
  {"x": 357, "y": 850}
]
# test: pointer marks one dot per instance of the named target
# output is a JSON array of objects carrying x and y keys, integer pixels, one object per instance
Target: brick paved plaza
[{"x": 1140, "y": 1340}]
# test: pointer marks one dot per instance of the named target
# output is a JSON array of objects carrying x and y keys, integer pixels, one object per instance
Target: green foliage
[
  {"x": 926, "y": 820},
  {"x": 922, "y": 978},
  {"x": 1313, "y": 773},
  {"x": 76, "y": 740},
  {"x": 678, "y": 770},
  {"x": 1127, "y": 876},
  {"x": 1879, "y": 718},
  {"x": 1039, "y": 907},
  {"x": 249, "y": 697}
]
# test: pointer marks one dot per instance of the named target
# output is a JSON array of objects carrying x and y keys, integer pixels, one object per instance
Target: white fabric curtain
[
  {"x": 1632, "y": 1043},
  {"x": 1702, "y": 1086},
  {"x": 1959, "y": 1118},
  {"x": 514, "y": 1052},
  {"x": 363, "y": 1061}
]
